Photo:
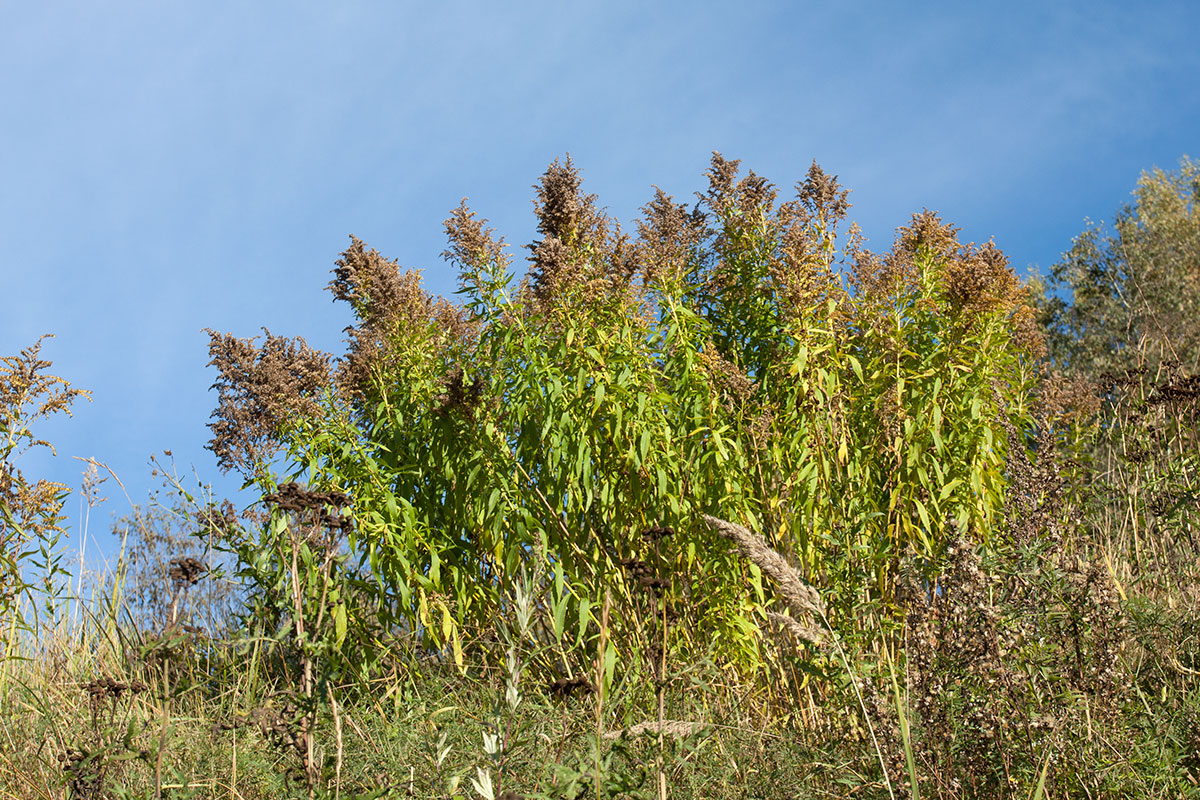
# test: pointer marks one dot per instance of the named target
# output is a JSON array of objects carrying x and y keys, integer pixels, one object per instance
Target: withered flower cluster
[
  {"x": 1062, "y": 397},
  {"x": 797, "y": 266},
  {"x": 460, "y": 395},
  {"x": 186, "y": 571},
  {"x": 895, "y": 273},
  {"x": 582, "y": 255},
  {"x": 217, "y": 520},
  {"x": 470, "y": 240},
  {"x": 394, "y": 313},
  {"x": 260, "y": 389},
  {"x": 565, "y": 687},
  {"x": 28, "y": 392},
  {"x": 1177, "y": 388},
  {"x": 975, "y": 279},
  {"x": 474, "y": 248},
  {"x": 293, "y": 498},
  {"x": 741, "y": 207},
  {"x": 735, "y": 387},
  {"x": 670, "y": 241},
  {"x": 808, "y": 230},
  {"x": 106, "y": 688},
  {"x": 643, "y": 575},
  {"x": 657, "y": 533}
]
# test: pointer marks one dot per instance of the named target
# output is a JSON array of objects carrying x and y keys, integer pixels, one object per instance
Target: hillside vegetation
[{"x": 726, "y": 506}]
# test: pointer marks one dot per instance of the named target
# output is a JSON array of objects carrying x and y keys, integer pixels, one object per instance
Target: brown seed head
[{"x": 260, "y": 391}]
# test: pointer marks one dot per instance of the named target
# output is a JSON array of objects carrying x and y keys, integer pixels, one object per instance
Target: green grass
[{"x": 188, "y": 717}]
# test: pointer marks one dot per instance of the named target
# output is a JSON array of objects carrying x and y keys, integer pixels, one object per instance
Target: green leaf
[
  {"x": 585, "y": 618},
  {"x": 857, "y": 367},
  {"x": 339, "y": 623}
]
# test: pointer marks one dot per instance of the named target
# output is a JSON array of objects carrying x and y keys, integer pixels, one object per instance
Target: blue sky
[{"x": 167, "y": 167}]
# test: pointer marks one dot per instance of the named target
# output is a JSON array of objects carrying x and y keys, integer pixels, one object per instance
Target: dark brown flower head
[
  {"x": 636, "y": 568},
  {"x": 562, "y": 211},
  {"x": 1178, "y": 389},
  {"x": 186, "y": 571},
  {"x": 107, "y": 687},
  {"x": 657, "y": 533},
  {"x": 460, "y": 394},
  {"x": 293, "y": 497},
  {"x": 375, "y": 286},
  {"x": 313, "y": 506},
  {"x": 216, "y": 519},
  {"x": 804, "y": 273},
  {"x": 582, "y": 256},
  {"x": 565, "y": 687},
  {"x": 260, "y": 390}
]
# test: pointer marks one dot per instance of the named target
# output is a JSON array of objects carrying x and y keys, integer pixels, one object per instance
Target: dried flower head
[
  {"x": 28, "y": 393},
  {"x": 395, "y": 317},
  {"x": 471, "y": 243},
  {"x": 461, "y": 395},
  {"x": 186, "y": 571},
  {"x": 822, "y": 196},
  {"x": 260, "y": 391},
  {"x": 566, "y": 687},
  {"x": 670, "y": 241},
  {"x": 979, "y": 279},
  {"x": 657, "y": 533},
  {"x": 582, "y": 256},
  {"x": 1066, "y": 398},
  {"x": 292, "y": 498}
]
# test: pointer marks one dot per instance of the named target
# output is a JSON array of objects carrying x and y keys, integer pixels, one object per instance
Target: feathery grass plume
[
  {"x": 801, "y": 598},
  {"x": 803, "y": 633},
  {"x": 670, "y": 727}
]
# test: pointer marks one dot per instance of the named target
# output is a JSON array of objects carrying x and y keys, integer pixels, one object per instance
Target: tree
[{"x": 1131, "y": 293}]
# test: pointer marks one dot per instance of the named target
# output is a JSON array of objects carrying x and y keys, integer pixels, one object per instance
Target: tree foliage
[{"x": 1132, "y": 289}]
